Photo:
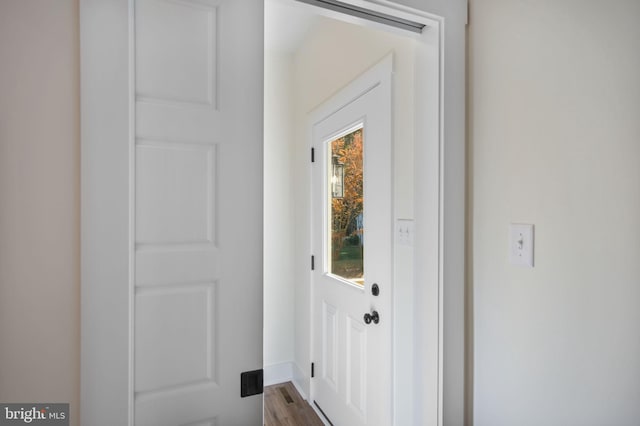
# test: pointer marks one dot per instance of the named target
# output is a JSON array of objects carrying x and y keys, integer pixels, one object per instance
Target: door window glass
[{"x": 346, "y": 201}]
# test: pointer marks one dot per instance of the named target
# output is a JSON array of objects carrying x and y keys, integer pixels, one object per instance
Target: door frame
[
  {"x": 436, "y": 389},
  {"x": 439, "y": 356},
  {"x": 107, "y": 173}
]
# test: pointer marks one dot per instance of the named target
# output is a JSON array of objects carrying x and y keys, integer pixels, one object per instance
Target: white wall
[
  {"x": 39, "y": 202},
  {"x": 555, "y": 141},
  {"x": 333, "y": 54},
  {"x": 278, "y": 211}
]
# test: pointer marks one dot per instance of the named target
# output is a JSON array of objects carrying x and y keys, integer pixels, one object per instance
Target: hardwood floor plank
[{"x": 283, "y": 406}]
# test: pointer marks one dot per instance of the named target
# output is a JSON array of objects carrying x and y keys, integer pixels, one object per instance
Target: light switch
[
  {"x": 404, "y": 232},
  {"x": 521, "y": 244}
]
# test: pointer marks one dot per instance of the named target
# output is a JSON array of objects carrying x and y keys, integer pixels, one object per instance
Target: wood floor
[{"x": 283, "y": 406}]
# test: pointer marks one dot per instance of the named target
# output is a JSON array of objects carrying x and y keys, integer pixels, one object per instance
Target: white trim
[
  {"x": 132, "y": 211},
  {"x": 296, "y": 380},
  {"x": 278, "y": 373},
  {"x": 363, "y": 84},
  {"x": 106, "y": 128},
  {"x": 428, "y": 250}
]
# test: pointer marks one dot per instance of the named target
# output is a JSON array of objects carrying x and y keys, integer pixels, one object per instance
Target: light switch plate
[
  {"x": 521, "y": 244},
  {"x": 404, "y": 232}
]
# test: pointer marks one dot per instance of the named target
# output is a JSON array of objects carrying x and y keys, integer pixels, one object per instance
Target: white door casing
[
  {"x": 193, "y": 251},
  {"x": 353, "y": 374}
]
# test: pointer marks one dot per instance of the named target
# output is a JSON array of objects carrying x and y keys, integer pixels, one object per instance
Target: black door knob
[{"x": 373, "y": 316}]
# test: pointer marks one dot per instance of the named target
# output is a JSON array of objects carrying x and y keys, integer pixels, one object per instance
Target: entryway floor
[{"x": 283, "y": 406}]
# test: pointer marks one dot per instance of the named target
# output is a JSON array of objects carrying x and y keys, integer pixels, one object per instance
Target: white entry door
[
  {"x": 187, "y": 312},
  {"x": 352, "y": 230}
]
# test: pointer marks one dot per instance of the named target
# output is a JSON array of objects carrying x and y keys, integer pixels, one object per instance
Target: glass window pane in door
[{"x": 346, "y": 221}]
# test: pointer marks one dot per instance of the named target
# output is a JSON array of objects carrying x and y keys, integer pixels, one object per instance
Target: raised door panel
[
  {"x": 176, "y": 51},
  {"x": 329, "y": 370},
  {"x": 356, "y": 367},
  {"x": 176, "y": 341},
  {"x": 175, "y": 195}
]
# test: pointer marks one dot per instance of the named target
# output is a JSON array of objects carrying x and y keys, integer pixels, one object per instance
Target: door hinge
[
  {"x": 313, "y": 155},
  {"x": 313, "y": 370},
  {"x": 313, "y": 262}
]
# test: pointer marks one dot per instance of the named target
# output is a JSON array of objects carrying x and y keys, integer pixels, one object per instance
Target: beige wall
[
  {"x": 554, "y": 110},
  {"x": 39, "y": 202}
]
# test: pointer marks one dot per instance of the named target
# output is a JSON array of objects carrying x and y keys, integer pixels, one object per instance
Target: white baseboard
[
  {"x": 286, "y": 372},
  {"x": 278, "y": 373},
  {"x": 301, "y": 382}
]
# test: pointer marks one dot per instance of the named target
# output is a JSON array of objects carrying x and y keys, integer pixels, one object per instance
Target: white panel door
[
  {"x": 352, "y": 230},
  {"x": 197, "y": 322}
]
